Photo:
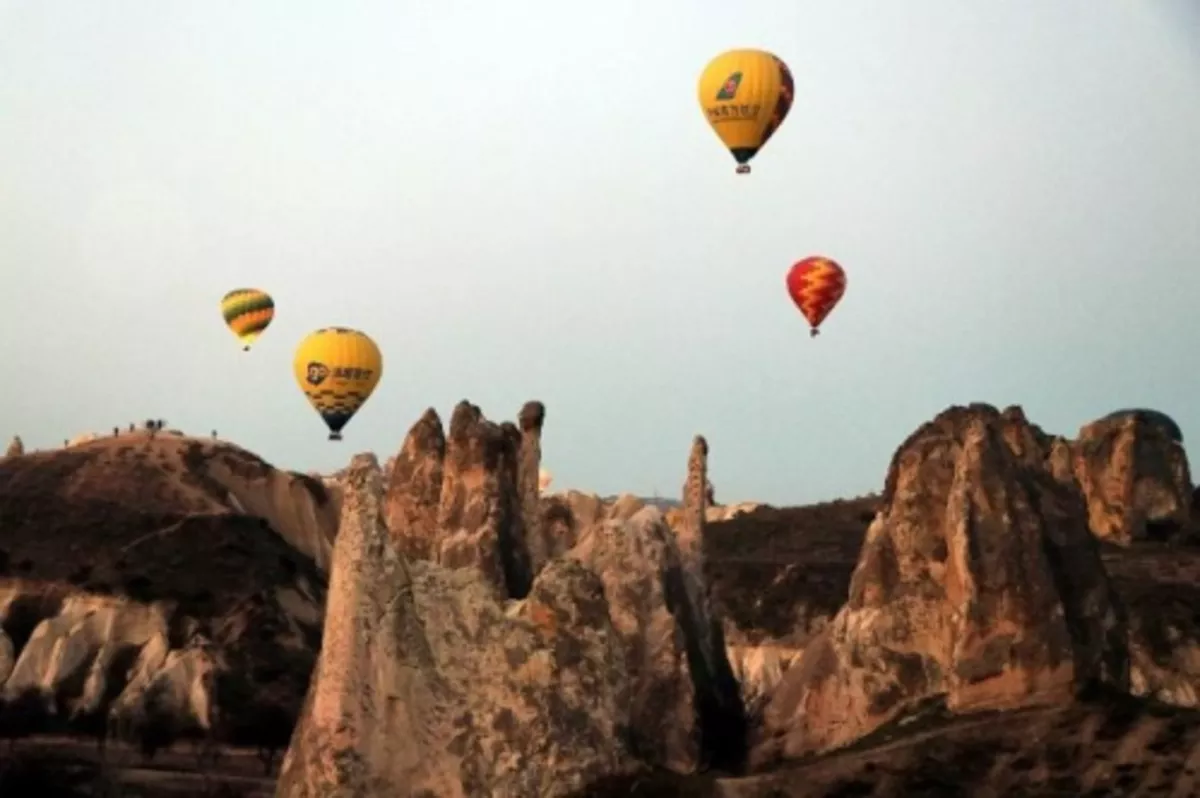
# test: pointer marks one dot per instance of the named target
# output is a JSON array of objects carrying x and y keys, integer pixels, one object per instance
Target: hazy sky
[{"x": 523, "y": 200}]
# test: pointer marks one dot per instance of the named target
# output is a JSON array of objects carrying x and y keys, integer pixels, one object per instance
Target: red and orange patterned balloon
[{"x": 816, "y": 285}]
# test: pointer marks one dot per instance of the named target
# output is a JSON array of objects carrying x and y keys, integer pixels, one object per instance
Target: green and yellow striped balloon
[{"x": 247, "y": 311}]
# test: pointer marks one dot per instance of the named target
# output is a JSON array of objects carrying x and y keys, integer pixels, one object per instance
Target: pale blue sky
[{"x": 523, "y": 200}]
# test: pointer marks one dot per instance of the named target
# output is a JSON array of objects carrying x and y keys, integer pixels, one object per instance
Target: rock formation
[
  {"x": 695, "y": 502},
  {"x": 684, "y": 707},
  {"x": 978, "y": 585},
  {"x": 154, "y": 587},
  {"x": 1135, "y": 476},
  {"x": 137, "y": 590},
  {"x": 529, "y": 468},
  {"x": 425, "y": 685},
  {"x": 566, "y": 517},
  {"x": 15, "y": 448},
  {"x": 415, "y": 488},
  {"x": 479, "y": 518}
]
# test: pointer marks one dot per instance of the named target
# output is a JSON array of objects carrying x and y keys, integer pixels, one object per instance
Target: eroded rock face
[
  {"x": 427, "y": 686},
  {"x": 73, "y": 661},
  {"x": 978, "y": 584},
  {"x": 15, "y": 447},
  {"x": 559, "y": 526},
  {"x": 414, "y": 488},
  {"x": 582, "y": 511},
  {"x": 1159, "y": 585},
  {"x": 676, "y": 691},
  {"x": 480, "y": 514},
  {"x": 567, "y": 517},
  {"x": 1135, "y": 476}
]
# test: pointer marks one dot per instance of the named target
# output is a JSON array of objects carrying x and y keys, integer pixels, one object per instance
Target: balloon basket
[
  {"x": 245, "y": 349},
  {"x": 335, "y": 436},
  {"x": 743, "y": 169},
  {"x": 814, "y": 332}
]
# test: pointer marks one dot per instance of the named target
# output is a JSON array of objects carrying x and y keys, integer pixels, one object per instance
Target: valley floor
[{"x": 70, "y": 767}]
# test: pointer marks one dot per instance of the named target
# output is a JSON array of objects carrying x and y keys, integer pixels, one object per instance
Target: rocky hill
[
  {"x": 1012, "y": 614},
  {"x": 155, "y": 584}
]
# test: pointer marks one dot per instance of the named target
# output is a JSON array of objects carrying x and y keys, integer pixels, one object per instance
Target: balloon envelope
[
  {"x": 745, "y": 96},
  {"x": 816, "y": 285},
  {"x": 247, "y": 311},
  {"x": 338, "y": 369}
]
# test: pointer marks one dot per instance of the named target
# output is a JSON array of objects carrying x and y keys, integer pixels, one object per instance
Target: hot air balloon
[
  {"x": 746, "y": 95},
  {"x": 247, "y": 312},
  {"x": 337, "y": 369},
  {"x": 816, "y": 285}
]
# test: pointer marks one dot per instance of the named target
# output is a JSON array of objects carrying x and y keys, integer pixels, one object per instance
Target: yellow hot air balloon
[
  {"x": 247, "y": 312},
  {"x": 746, "y": 95},
  {"x": 338, "y": 370}
]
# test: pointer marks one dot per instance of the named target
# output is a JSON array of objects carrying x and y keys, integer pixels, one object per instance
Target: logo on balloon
[
  {"x": 317, "y": 373},
  {"x": 729, "y": 89}
]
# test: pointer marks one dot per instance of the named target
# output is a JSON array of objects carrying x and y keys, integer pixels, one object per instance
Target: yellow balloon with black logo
[
  {"x": 247, "y": 311},
  {"x": 745, "y": 96},
  {"x": 338, "y": 369}
]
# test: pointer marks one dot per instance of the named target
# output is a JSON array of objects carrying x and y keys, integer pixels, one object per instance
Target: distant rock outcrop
[
  {"x": 978, "y": 585},
  {"x": 16, "y": 447},
  {"x": 1135, "y": 476},
  {"x": 425, "y": 685}
]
